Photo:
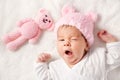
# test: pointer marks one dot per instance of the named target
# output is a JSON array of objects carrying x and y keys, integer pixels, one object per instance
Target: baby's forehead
[
  {"x": 66, "y": 26},
  {"x": 67, "y": 29}
]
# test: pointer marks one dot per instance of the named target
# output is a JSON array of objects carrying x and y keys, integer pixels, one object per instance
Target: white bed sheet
[{"x": 19, "y": 65}]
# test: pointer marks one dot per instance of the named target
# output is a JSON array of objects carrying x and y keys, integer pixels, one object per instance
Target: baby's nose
[{"x": 67, "y": 43}]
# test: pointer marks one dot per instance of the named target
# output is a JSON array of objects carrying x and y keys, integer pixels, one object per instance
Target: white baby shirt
[{"x": 94, "y": 66}]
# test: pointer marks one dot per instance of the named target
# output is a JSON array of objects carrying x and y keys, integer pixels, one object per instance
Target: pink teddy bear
[{"x": 29, "y": 30}]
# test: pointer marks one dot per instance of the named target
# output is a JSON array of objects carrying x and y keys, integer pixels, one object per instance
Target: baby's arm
[
  {"x": 106, "y": 37},
  {"x": 41, "y": 67},
  {"x": 113, "y": 49}
]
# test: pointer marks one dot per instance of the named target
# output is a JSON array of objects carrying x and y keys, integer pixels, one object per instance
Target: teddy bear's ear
[
  {"x": 93, "y": 16},
  {"x": 67, "y": 9},
  {"x": 42, "y": 10}
]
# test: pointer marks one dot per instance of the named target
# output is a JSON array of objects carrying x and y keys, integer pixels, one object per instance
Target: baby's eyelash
[
  {"x": 61, "y": 39},
  {"x": 74, "y": 38}
]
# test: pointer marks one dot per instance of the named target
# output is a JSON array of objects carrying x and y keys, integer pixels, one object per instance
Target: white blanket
[{"x": 18, "y": 65}]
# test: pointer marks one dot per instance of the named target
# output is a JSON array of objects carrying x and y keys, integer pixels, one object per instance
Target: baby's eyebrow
[
  {"x": 59, "y": 36},
  {"x": 75, "y": 35}
]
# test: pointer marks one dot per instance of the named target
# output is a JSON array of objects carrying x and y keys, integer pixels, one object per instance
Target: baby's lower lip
[{"x": 70, "y": 53}]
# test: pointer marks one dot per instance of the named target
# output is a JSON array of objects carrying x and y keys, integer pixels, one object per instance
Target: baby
[{"x": 78, "y": 62}]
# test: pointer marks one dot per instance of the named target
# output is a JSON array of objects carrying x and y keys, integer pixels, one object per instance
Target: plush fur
[
  {"x": 83, "y": 22},
  {"x": 29, "y": 30}
]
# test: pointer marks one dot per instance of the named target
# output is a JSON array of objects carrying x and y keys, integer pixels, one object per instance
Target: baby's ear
[
  {"x": 67, "y": 9},
  {"x": 92, "y": 16}
]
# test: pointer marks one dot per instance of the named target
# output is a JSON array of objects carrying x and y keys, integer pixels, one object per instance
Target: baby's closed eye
[
  {"x": 61, "y": 40},
  {"x": 74, "y": 38}
]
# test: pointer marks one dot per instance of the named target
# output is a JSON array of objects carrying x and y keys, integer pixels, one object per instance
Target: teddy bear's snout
[{"x": 46, "y": 20}]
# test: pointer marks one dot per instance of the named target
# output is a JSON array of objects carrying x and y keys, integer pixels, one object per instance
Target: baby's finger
[
  {"x": 40, "y": 57},
  {"x": 44, "y": 57},
  {"x": 102, "y": 32}
]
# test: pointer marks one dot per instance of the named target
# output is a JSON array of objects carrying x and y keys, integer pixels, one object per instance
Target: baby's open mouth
[{"x": 67, "y": 52}]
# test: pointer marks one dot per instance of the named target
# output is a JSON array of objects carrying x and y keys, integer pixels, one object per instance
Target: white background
[{"x": 18, "y": 65}]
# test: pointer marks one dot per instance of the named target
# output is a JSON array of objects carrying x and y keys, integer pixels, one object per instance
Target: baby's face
[{"x": 71, "y": 45}]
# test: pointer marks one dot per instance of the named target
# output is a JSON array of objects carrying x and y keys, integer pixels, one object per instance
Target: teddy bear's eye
[
  {"x": 45, "y": 15},
  {"x": 49, "y": 21}
]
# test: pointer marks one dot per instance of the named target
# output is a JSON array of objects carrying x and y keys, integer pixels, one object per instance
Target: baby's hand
[
  {"x": 106, "y": 37},
  {"x": 44, "y": 57}
]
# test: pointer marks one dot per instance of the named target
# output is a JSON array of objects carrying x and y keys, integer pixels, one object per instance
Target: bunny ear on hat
[
  {"x": 93, "y": 16},
  {"x": 68, "y": 8},
  {"x": 83, "y": 22}
]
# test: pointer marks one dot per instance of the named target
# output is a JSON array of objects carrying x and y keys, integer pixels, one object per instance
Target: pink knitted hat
[{"x": 83, "y": 22}]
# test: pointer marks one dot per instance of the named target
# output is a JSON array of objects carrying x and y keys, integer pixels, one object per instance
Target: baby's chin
[{"x": 72, "y": 62}]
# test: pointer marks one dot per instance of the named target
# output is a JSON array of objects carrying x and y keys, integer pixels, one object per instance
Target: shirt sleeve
[
  {"x": 113, "y": 55},
  {"x": 42, "y": 71}
]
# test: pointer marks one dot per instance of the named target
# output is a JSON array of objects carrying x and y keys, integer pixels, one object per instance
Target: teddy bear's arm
[
  {"x": 20, "y": 23},
  {"x": 51, "y": 28},
  {"x": 35, "y": 39}
]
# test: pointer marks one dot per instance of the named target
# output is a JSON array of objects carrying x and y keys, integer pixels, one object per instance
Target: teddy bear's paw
[
  {"x": 6, "y": 39},
  {"x": 31, "y": 41},
  {"x": 21, "y": 22},
  {"x": 12, "y": 47}
]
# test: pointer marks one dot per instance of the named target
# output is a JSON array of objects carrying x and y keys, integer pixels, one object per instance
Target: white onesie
[{"x": 94, "y": 66}]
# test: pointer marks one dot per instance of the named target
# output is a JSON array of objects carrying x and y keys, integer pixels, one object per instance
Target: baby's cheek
[
  {"x": 76, "y": 45},
  {"x": 59, "y": 47}
]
